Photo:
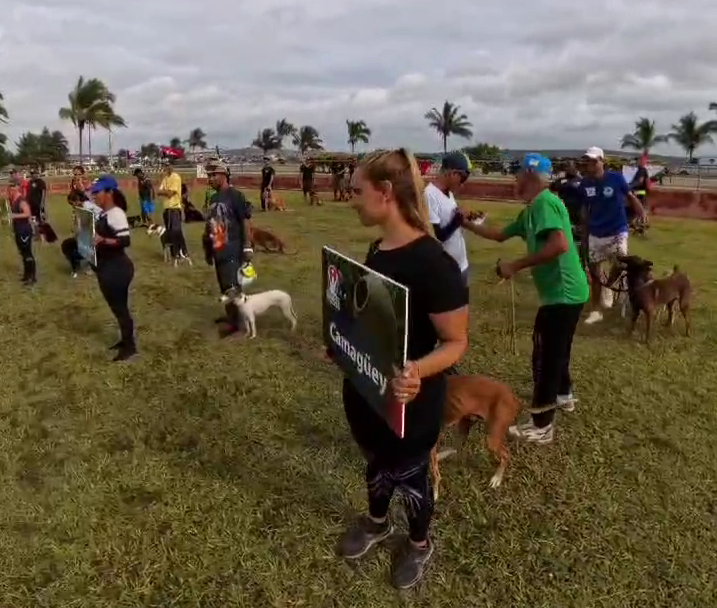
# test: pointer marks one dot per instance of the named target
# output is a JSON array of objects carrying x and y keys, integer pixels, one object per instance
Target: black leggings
[
  {"x": 71, "y": 253},
  {"x": 410, "y": 478},
  {"x": 175, "y": 236},
  {"x": 114, "y": 277},
  {"x": 24, "y": 246},
  {"x": 553, "y": 333}
]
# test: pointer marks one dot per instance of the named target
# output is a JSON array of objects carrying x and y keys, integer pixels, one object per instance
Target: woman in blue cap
[{"x": 114, "y": 269}]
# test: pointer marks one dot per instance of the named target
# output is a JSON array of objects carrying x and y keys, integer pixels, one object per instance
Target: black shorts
[{"x": 307, "y": 187}]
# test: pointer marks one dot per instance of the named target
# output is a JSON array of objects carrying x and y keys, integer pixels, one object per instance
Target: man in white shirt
[{"x": 443, "y": 212}]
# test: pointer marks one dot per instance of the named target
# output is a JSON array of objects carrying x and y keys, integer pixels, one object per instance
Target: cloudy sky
[{"x": 538, "y": 74}]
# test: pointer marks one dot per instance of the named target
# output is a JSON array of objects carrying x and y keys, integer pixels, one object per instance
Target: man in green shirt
[{"x": 544, "y": 225}]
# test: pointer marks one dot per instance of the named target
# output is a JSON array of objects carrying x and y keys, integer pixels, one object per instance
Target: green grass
[{"x": 213, "y": 473}]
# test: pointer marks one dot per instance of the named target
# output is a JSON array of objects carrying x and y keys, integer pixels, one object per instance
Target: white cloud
[{"x": 532, "y": 75}]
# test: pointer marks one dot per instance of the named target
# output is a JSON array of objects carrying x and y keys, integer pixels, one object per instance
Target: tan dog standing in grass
[{"x": 469, "y": 398}]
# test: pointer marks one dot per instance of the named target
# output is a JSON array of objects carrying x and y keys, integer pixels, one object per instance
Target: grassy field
[{"x": 211, "y": 473}]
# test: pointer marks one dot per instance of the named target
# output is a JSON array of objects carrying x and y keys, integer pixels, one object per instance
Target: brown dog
[
  {"x": 275, "y": 203},
  {"x": 268, "y": 241},
  {"x": 647, "y": 295},
  {"x": 467, "y": 399}
]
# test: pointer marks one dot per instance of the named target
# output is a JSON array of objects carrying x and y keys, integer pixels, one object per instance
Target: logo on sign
[
  {"x": 608, "y": 192},
  {"x": 333, "y": 287}
]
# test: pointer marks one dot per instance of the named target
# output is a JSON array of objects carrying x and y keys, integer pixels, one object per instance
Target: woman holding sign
[
  {"x": 389, "y": 191},
  {"x": 114, "y": 269}
]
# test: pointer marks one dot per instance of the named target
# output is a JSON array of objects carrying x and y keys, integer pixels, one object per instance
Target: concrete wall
[{"x": 665, "y": 202}]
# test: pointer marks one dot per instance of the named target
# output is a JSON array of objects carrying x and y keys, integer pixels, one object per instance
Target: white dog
[{"x": 253, "y": 305}]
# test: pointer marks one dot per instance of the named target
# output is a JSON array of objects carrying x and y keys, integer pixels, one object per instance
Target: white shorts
[{"x": 602, "y": 249}]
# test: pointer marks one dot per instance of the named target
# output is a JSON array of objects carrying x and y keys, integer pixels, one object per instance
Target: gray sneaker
[
  {"x": 410, "y": 564},
  {"x": 361, "y": 536}
]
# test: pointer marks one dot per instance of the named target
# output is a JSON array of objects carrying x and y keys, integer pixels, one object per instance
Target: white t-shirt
[{"x": 441, "y": 209}]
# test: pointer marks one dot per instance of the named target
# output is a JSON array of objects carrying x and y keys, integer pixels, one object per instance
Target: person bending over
[
  {"x": 77, "y": 200},
  {"x": 21, "y": 217},
  {"x": 443, "y": 212},
  {"x": 388, "y": 188},
  {"x": 562, "y": 287},
  {"x": 114, "y": 268},
  {"x": 227, "y": 240}
]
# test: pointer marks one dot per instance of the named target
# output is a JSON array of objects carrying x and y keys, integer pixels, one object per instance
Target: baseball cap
[
  {"x": 595, "y": 153},
  {"x": 456, "y": 161},
  {"x": 102, "y": 183},
  {"x": 217, "y": 167},
  {"x": 537, "y": 163}
]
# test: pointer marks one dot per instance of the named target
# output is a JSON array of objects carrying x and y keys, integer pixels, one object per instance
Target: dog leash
[{"x": 513, "y": 341}]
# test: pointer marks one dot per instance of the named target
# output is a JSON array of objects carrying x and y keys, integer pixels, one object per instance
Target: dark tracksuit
[
  {"x": 23, "y": 239},
  {"x": 115, "y": 271},
  {"x": 224, "y": 241}
]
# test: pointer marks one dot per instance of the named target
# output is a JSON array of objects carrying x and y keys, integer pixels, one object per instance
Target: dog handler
[
  {"x": 562, "y": 286},
  {"x": 21, "y": 216},
  {"x": 114, "y": 269},
  {"x": 171, "y": 190},
  {"x": 389, "y": 191},
  {"x": 604, "y": 195},
  {"x": 227, "y": 239}
]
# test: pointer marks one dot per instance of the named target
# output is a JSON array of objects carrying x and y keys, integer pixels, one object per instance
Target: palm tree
[
  {"x": 267, "y": 139},
  {"x": 449, "y": 121},
  {"x": 358, "y": 132},
  {"x": 88, "y": 100},
  {"x": 690, "y": 134},
  {"x": 110, "y": 121},
  {"x": 307, "y": 138},
  {"x": 196, "y": 140},
  {"x": 284, "y": 129},
  {"x": 643, "y": 138}
]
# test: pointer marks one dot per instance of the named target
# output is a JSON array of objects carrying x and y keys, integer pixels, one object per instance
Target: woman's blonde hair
[{"x": 398, "y": 170}]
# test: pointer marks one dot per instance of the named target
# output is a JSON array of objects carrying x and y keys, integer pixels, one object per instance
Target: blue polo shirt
[{"x": 605, "y": 201}]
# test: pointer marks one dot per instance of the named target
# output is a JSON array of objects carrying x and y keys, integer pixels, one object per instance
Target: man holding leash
[
  {"x": 561, "y": 284},
  {"x": 145, "y": 190},
  {"x": 604, "y": 195},
  {"x": 227, "y": 240},
  {"x": 171, "y": 191},
  {"x": 267, "y": 183}
]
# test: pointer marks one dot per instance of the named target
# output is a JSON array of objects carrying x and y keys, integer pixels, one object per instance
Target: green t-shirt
[{"x": 562, "y": 280}]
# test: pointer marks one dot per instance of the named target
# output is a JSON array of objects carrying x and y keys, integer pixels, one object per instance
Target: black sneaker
[
  {"x": 410, "y": 564},
  {"x": 125, "y": 353},
  {"x": 361, "y": 536}
]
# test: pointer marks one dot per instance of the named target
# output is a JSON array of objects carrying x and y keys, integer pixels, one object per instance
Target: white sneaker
[
  {"x": 594, "y": 317},
  {"x": 529, "y": 433},
  {"x": 566, "y": 402}
]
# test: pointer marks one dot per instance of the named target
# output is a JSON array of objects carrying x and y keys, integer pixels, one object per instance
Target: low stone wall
[{"x": 665, "y": 202}]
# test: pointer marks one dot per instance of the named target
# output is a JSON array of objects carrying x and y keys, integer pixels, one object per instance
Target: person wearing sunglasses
[{"x": 443, "y": 212}]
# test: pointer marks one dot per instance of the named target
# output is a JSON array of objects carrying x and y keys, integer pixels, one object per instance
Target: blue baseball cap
[
  {"x": 537, "y": 163},
  {"x": 103, "y": 183},
  {"x": 456, "y": 161}
]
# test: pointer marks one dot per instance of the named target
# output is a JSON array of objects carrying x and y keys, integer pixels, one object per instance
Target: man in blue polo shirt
[{"x": 604, "y": 195}]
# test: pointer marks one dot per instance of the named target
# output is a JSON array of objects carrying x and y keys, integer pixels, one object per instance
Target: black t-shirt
[
  {"x": 227, "y": 211},
  {"x": 266, "y": 174},
  {"x": 144, "y": 188},
  {"x": 21, "y": 227},
  {"x": 435, "y": 286},
  {"x": 36, "y": 189},
  {"x": 307, "y": 173},
  {"x": 640, "y": 179},
  {"x": 568, "y": 189}
]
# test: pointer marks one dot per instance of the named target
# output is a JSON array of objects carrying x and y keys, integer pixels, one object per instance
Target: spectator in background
[
  {"x": 36, "y": 197},
  {"x": 307, "y": 170},
  {"x": 443, "y": 212},
  {"x": 171, "y": 191},
  {"x": 79, "y": 181},
  {"x": 145, "y": 189},
  {"x": 21, "y": 218},
  {"x": 267, "y": 183},
  {"x": 21, "y": 180}
]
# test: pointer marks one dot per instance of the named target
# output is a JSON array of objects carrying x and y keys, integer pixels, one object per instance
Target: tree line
[{"x": 91, "y": 108}]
